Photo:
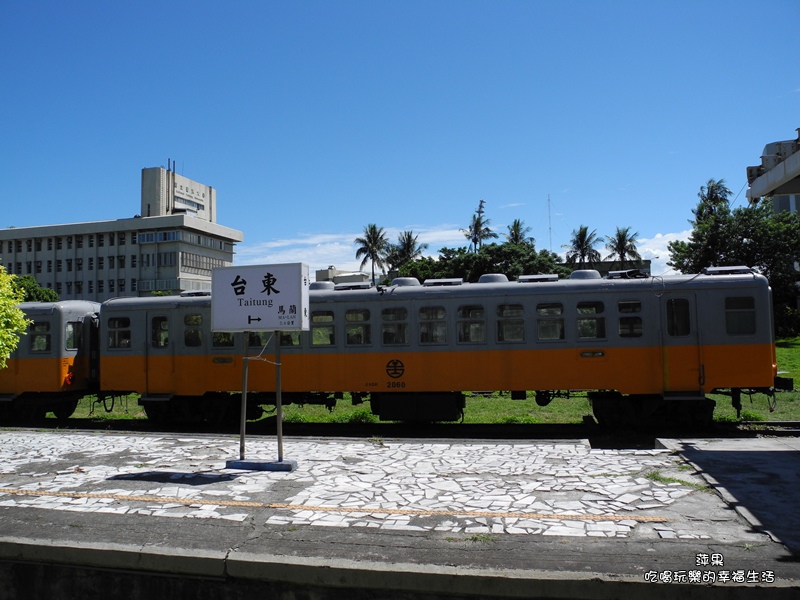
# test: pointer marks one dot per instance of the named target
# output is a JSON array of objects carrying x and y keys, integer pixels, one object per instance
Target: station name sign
[{"x": 260, "y": 298}]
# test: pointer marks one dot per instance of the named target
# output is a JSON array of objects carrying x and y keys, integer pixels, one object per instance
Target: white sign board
[{"x": 260, "y": 298}]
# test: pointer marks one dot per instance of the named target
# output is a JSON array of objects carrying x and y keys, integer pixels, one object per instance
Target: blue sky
[{"x": 313, "y": 119}]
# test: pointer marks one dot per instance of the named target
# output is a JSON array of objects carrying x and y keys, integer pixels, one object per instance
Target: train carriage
[
  {"x": 55, "y": 363},
  {"x": 637, "y": 344}
]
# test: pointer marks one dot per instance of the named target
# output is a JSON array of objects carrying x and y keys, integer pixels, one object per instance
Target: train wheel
[
  {"x": 157, "y": 412},
  {"x": 64, "y": 410}
]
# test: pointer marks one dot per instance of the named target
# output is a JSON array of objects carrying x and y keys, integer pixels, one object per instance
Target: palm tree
[
  {"x": 478, "y": 230},
  {"x": 581, "y": 247},
  {"x": 713, "y": 197},
  {"x": 517, "y": 233},
  {"x": 372, "y": 246},
  {"x": 622, "y": 246},
  {"x": 405, "y": 250}
]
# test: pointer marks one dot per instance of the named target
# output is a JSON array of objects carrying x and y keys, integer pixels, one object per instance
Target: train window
[
  {"x": 549, "y": 321},
  {"x": 290, "y": 338},
  {"x": 630, "y": 326},
  {"x": 72, "y": 335},
  {"x": 358, "y": 331},
  {"x": 159, "y": 332},
  {"x": 471, "y": 325},
  {"x": 629, "y": 306},
  {"x": 322, "y": 330},
  {"x": 432, "y": 326},
  {"x": 222, "y": 339},
  {"x": 393, "y": 329},
  {"x": 119, "y": 332},
  {"x": 740, "y": 315},
  {"x": 510, "y": 324},
  {"x": 257, "y": 339},
  {"x": 678, "y": 321},
  {"x": 591, "y": 327},
  {"x": 193, "y": 334},
  {"x": 39, "y": 332}
]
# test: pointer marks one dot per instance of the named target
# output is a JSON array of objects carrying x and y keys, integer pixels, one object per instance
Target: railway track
[{"x": 597, "y": 436}]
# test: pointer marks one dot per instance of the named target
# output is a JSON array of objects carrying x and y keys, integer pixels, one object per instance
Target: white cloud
[{"x": 655, "y": 249}]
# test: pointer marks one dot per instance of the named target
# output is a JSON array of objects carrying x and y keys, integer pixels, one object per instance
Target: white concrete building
[{"x": 173, "y": 249}]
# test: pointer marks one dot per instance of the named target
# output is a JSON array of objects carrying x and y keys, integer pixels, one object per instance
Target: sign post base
[{"x": 262, "y": 465}]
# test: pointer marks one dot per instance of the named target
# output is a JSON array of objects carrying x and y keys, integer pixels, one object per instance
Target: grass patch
[{"x": 659, "y": 478}]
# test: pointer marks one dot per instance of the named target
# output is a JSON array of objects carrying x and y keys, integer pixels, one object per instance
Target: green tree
[
  {"x": 509, "y": 259},
  {"x": 709, "y": 243},
  {"x": 580, "y": 251},
  {"x": 754, "y": 236},
  {"x": 372, "y": 246},
  {"x": 12, "y": 320},
  {"x": 405, "y": 250},
  {"x": 518, "y": 233},
  {"x": 622, "y": 247},
  {"x": 32, "y": 292}
]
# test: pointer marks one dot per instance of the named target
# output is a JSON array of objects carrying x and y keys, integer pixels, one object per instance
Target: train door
[
  {"x": 159, "y": 352},
  {"x": 680, "y": 348}
]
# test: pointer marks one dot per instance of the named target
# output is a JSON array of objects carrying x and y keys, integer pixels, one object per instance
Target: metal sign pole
[
  {"x": 243, "y": 421},
  {"x": 278, "y": 398}
]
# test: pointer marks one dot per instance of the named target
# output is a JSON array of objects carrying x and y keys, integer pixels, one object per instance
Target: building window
[
  {"x": 122, "y": 238},
  {"x": 49, "y": 266},
  {"x": 111, "y": 238},
  {"x": 133, "y": 285},
  {"x": 79, "y": 241},
  {"x": 133, "y": 261},
  {"x": 58, "y": 265},
  {"x": 91, "y": 263},
  {"x": 29, "y": 245},
  {"x": 100, "y": 240},
  {"x": 91, "y": 241},
  {"x": 38, "y": 244},
  {"x": 69, "y": 242},
  {"x": 58, "y": 243},
  {"x": 49, "y": 243},
  {"x": 110, "y": 262},
  {"x": 101, "y": 262},
  {"x": 79, "y": 264}
]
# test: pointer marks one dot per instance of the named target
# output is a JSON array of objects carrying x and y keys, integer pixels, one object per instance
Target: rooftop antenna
[{"x": 549, "y": 223}]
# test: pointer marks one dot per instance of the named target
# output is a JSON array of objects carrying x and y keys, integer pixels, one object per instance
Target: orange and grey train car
[
  {"x": 55, "y": 363},
  {"x": 638, "y": 345}
]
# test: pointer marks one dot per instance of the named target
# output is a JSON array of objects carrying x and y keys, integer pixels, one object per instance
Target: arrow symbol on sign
[{"x": 251, "y": 319}]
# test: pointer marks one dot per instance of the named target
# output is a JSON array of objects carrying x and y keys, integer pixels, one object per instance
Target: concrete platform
[{"x": 95, "y": 513}]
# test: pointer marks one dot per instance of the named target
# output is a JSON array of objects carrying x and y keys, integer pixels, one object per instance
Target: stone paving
[{"x": 539, "y": 488}]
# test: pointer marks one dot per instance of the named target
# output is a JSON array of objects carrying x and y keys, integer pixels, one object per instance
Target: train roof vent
[
  {"x": 354, "y": 285},
  {"x": 321, "y": 285},
  {"x": 191, "y": 293},
  {"x": 627, "y": 274},
  {"x": 585, "y": 274},
  {"x": 493, "y": 278},
  {"x": 405, "y": 281},
  {"x": 443, "y": 282},
  {"x": 740, "y": 270},
  {"x": 537, "y": 278}
]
